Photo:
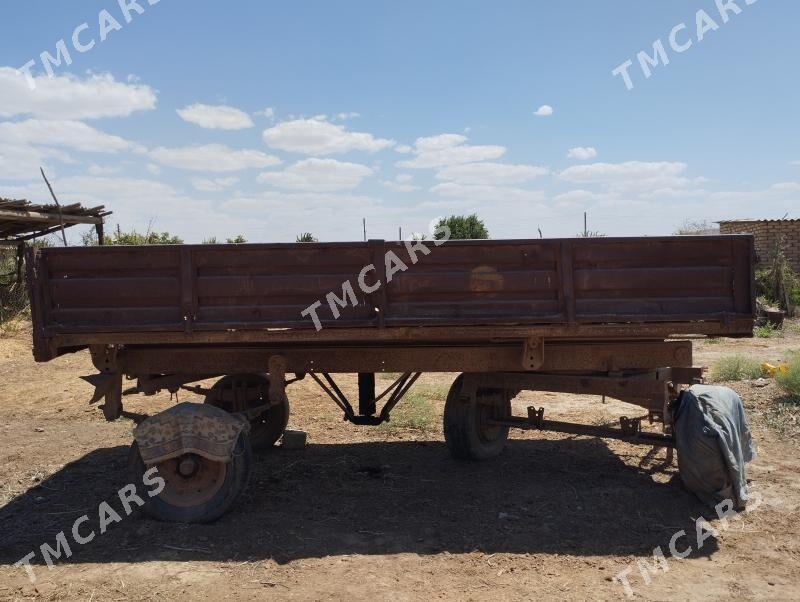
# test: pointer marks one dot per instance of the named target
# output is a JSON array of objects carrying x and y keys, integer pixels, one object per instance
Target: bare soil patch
[{"x": 385, "y": 513}]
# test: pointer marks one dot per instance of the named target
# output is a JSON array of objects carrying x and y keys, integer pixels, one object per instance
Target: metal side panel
[{"x": 189, "y": 289}]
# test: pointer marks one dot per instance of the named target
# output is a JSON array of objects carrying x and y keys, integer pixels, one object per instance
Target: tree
[
  {"x": 239, "y": 239},
  {"x": 211, "y": 240},
  {"x": 462, "y": 227},
  {"x": 306, "y": 237}
]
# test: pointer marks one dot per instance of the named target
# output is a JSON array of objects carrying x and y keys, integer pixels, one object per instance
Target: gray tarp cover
[
  {"x": 198, "y": 428},
  {"x": 713, "y": 443}
]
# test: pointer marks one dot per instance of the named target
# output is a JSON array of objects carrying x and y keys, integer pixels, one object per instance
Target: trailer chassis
[{"x": 625, "y": 370}]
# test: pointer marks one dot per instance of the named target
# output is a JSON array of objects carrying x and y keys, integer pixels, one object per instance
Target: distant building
[{"x": 767, "y": 233}]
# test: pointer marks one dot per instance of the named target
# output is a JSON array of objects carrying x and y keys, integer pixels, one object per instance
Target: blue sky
[{"x": 275, "y": 118}]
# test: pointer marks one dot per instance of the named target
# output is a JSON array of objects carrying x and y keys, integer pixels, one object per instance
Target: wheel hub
[{"x": 191, "y": 480}]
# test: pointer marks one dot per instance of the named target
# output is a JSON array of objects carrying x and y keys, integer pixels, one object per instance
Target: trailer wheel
[
  {"x": 266, "y": 429},
  {"x": 196, "y": 489},
  {"x": 466, "y": 432}
]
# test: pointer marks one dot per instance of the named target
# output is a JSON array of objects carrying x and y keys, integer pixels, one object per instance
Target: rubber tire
[
  {"x": 267, "y": 428},
  {"x": 236, "y": 479},
  {"x": 463, "y": 434}
]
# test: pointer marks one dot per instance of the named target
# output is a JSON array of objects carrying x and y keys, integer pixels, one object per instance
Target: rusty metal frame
[
  {"x": 63, "y": 338},
  {"x": 651, "y": 389},
  {"x": 395, "y": 392},
  {"x": 507, "y": 356},
  {"x": 630, "y": 429}
]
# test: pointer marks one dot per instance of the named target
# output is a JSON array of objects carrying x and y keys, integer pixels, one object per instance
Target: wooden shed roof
[{"x": 21, "y": 220}]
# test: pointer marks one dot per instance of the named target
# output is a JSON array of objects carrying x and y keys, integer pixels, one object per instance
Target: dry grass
[
  {"x": 414, "y": 412},
  {"x": 735, "y": 367},
  {"x": 789, "y": 380},
  {"x": 15, "y": 325}
]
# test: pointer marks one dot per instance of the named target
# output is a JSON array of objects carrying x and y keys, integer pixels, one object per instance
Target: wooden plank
[{"x": 46, "y": 218}]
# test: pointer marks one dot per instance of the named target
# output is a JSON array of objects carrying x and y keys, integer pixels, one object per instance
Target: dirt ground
[{"x": 385, "y": 513}]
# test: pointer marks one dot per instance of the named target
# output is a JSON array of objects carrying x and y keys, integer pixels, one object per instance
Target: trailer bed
[
  {"x": 584, "y": 316},
  {"x": 562, "y": 288}
]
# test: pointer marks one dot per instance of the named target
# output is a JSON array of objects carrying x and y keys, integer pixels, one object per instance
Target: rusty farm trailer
[{"x": 603, "y": 316}]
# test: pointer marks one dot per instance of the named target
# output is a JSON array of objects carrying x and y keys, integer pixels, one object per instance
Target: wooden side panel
[
  {"x": 193, "y": 288},
  {"x": 515, "y": 282}
]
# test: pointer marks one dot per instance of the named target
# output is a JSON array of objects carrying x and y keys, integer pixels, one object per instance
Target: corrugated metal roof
[{"x": 755, "y": 220}]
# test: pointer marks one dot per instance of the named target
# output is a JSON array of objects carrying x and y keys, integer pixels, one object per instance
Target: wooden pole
[{"x": 60, "y": 215}]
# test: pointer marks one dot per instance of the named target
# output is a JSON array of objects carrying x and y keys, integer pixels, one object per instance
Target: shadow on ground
[{"x": 549, "y": 496}]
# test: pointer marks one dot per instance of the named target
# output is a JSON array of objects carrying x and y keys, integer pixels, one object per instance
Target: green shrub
[
  {"x": 735, "y": 367},
  {"x": 767, "y": 331},
  {"x": 789, "y": 380},
  {"x": 120, "y": 237}
]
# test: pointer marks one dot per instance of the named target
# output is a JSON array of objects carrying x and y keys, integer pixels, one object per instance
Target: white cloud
[
  {"x": 582, "y": 153},
  {"x": 448, "y": 149},
  {"x": 22, "y": 162},
  {"x": 328, "y": 215},
  {"x": 786, "y": 187},
  {"x": 576, "y": 196},
  {"x": 316, "y": 136},
  {"x": 212, "y": 157},
  {"x": 490, "y": 173},
  {"x": 76, "y": 187},
  {"x": 346, "y": 116},
  {"x": 613, "y": 172},
  {"x": 268, "y": 112},
  {"x": 794, "y": 162},
  {"x": 317, "y": 175},
  {"x": 103, "y": 170},
  {"x": 498, "y": 195},
  {"x": 145, "y": 204},
  {"x": 70, "y": 134},
  {"x": 218, "y": 117},
  {"x": 403, "y": 149},
  {"x": 401, "y": 183},
  {"x": 631, "y": 175},
  {"x": 68, "y": 97},
  {"x": 544, "y": 111},
  {"x": 213, "y": 184}
]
